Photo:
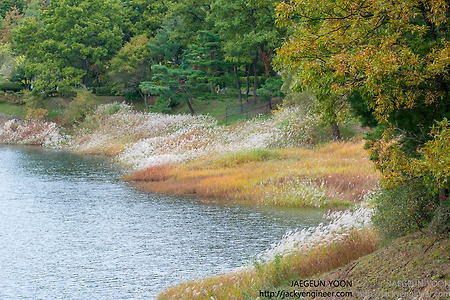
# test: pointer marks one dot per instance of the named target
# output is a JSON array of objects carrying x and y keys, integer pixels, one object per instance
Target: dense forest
[{"x": 175, "y": 50}]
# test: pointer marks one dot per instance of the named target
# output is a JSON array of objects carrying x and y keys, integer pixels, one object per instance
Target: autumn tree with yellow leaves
[{"x": 390, "y": 62}]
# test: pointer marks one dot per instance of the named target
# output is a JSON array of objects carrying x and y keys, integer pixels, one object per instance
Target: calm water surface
[{"x": 69, "y": 228}]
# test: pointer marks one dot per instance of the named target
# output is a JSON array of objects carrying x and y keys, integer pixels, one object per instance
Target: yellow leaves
[
  {"x": 438, "y": 59},
  {"x": 433, "y": 166},
  {"x": 438, "y": 10},
  {"x": 19, "y": 60},
  {"x": 284, "y": 14},
  {"x": 436, "y": 153}
]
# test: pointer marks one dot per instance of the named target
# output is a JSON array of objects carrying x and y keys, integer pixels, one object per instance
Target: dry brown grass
[
  {"x": 331, "y": 175},
  {"x": 247, "y": 282}
]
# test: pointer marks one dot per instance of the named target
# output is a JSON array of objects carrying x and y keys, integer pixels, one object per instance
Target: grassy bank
[
  {"x": 284, "y": 160},
  {"x": 298, "y": 255},
  {"x": 336, "y": 174},
  {"x": 412, "y": 267}
]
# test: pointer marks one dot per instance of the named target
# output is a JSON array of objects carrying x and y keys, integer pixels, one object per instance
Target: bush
[
  {"x": 80, "y": 107},
  {"x": 34, "y": 100},
  {"x": 36, "y": 113},
  {"x": 440, "y": 225},
  {"x": 104, "y": 91},
  {"x": 11, "y": 86},
  {"x": 403, "y": 209},
  {"x": 271, "y": 88}
]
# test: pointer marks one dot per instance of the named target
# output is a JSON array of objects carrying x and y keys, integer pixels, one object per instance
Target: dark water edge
[{"x": 70, "y": 228}]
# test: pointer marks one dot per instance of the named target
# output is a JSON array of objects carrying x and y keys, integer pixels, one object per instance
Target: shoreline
[
  {"x": 332, "y": 174},
  {"x": 294, "y": 177}
]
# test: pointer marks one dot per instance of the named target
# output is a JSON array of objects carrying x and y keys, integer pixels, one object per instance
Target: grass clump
[{"x": 244, "y": 157}]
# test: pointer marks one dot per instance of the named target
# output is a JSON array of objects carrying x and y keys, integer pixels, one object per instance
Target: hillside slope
[{"x": 412, "y": 267}]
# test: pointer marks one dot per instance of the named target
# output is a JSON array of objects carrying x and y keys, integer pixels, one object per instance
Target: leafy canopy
[{"x": 391, "y": 60}]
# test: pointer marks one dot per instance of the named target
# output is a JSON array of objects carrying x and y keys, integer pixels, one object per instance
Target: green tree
[
  {"x": 146, "y": 16},
  {"x": 71, "y": 42},
  {"x": 170, "y": 85},
  {"x": 131, "y": 65},
  {"x": 165, "y": 48},
  {"x": 249, "y": 32},
  {"x": 8, "y": 5},
  {"x": 207, "y": 59},
  {"x": 193, "y": 16}
]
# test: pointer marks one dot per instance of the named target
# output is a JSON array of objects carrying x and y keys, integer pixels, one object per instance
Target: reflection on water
[{"x": 69, "y": 228}]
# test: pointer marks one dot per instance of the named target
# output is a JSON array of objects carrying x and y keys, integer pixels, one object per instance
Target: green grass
[{"x": 13, "y": 110}]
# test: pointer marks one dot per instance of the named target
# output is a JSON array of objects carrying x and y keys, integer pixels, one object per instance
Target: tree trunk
[
  {"x": 238, "y": 86},
  {"x": 189, "y": 104},
  {"x": 248, "y": 84},
  {"x": 335, "y": 131},
  {"x": 146, "y": 101},
  {"x": 265, "y": 61},
  {"x": 255, "y": 79},
  {"x": 85, "y": 67},
  {"x": 442, "y": 196}
]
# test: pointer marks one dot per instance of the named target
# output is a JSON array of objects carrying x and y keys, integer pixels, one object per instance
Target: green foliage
[
  {"x": 164, "y": 48},
  {"x": 146, "y": 16},
  {"x": 396, "y": 56},
  {"x": 34, "y": 100},
  {"x": 403, "y": 209},
  {"x": 110, "y": 109},
  {"x": 440, "y": 225},
  {"x": 435, "y": 166},
  {"x": 8, "y": 5},
  {"x": 79, "y": 107},
  {"x": 131, "y": 65},
  {"x": 69, "y": 43},
  {"x": 10, "y": 86},
  {"x": 170, "y": 85},
  {"x": 272, "y": 87},
  {"x": 388, "y": 62}
]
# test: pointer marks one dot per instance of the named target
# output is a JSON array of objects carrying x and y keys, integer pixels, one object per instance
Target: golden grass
[
  {"x": 333, "y": 175},
  {"x": 247, "y": 282}
]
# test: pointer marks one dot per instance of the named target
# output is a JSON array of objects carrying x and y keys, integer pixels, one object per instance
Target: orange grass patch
[
  {"x": 154, "y": 173},
  {"x": 342, "y": 170},
  {"x": 247, "y": 282}
]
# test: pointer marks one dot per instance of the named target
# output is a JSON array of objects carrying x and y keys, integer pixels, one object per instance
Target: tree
[
  {"x": 146, "y": 16},
  {"x": 9, "y": 5},
  {"x": 71, "y": 42},
  {"x": 171, "y": 85},
  {"x": 164, "y": 48},
  {"x": 131, "y": 65},
  {"x": 392, "y": 61},
  {"x": 194, "y": 18},
  {"x": 207, "y": 59},
  {"x": 249, "y": 33}
]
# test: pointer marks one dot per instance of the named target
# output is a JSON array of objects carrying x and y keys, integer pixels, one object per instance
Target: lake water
[{"x": 70, "y": 228}]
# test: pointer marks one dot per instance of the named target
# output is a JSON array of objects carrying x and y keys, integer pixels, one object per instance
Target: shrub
[
  {"x": 440, "y": 225},
  {"x": 11, "y": 86},
  {"x": 402, "y": 209},
  {"x": 80, "y": 107},
  {"x": 33, "y": 100},
  {"x": 36, "y": 114}
]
